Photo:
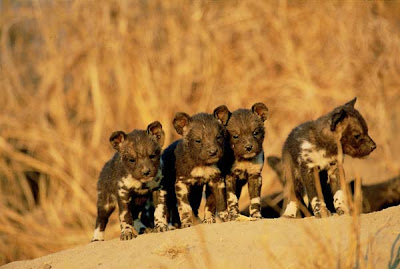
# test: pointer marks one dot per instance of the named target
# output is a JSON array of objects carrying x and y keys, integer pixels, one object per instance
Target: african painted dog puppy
[
  {"x": 129, "y": 179},
  {"x": 244, "y": 158},
  {"x": 312, "y": 148},
  {"x": 191, "y": 162}
]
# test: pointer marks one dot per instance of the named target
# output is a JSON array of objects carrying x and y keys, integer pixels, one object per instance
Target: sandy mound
[{"x": 270, "y": 243}]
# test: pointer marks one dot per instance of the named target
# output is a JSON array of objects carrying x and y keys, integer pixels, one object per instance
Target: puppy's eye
[
  {"x": 357, "y": 136},
  {"x": 153, "y": 156},
  {"x": 255, "y": 133},
  {"x": 132, "y": 160},
  {"x": 198, "y": 141},
  {"x": 235, "y": 136}
]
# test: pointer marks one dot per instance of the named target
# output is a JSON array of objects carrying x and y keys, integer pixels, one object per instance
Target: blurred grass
[{"x": 71, "y": 72}]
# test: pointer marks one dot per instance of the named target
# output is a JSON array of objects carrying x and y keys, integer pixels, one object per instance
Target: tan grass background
[{"x": 71, "y": 72}]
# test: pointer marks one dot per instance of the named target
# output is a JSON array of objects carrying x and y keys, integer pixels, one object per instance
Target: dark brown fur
[
  {"x": 130, "y": 179},
  {"x": 312, "y": 148},
  {"x": 190, "y": 163},
  {"x": 244, "y": 155}
]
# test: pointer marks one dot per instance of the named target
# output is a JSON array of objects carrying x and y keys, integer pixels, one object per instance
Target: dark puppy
[
  {"x": 316, "y": 147},
  {"x": 129, "y": 179},
  {"x": 191, "y": 162},
  {"x": 244, "y": 158}
]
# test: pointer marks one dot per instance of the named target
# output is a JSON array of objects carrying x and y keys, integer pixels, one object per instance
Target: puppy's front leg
[
  {"x": 339, "y": 195},
  {"x": 160, "y": 212},
  {"x": 184, "y": 208},
  {"x": 125, "y": 217},
  {"x": 232, "y": 199},
  {"x": 255, "y": 182},
  {"x": 217, "y": 186},
  {"x": 319, "y": 207}
]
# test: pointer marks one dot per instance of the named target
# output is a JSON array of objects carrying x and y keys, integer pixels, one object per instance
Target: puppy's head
[
  {"x": 140, "y": 150},
  {"x": 203, "y": 136},
  {"x": 246, "y": 129},
  {"x": 354, "y": 130}
]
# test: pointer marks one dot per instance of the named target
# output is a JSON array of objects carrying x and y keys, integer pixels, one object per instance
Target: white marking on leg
[
  {"x": 98, "y": 235},
  {"x": 159, "y": 215},
  {"x": 339, "y": 201},
  {"x": 291, "y": 210},
  {"x": 255, "y": 200},
  {"x": 306, "y": 200},
  {"x": 183, "y": 188}
]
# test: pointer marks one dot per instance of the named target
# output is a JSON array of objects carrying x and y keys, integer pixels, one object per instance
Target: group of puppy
[{"x": 219, "y": 153}]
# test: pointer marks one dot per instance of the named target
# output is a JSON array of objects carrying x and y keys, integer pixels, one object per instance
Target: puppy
[
  {"x": 314, "y": 148},
  {"x": 190, "y": 163},
  {"x": 129, "y": 179},
  {"x": 244, "y": 155}
]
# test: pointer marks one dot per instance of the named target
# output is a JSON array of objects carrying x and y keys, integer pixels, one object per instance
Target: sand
[{"x": 266, "y": 243}]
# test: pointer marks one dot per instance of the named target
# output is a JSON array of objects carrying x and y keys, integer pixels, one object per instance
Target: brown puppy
[
  {"x": 314, "y": 147},
  {"x": 244, "y": 155},
  {"x": 130, "y": 178},
  {"x": 190, "y": 163}
]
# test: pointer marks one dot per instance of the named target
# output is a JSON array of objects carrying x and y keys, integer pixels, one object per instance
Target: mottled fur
[
  {"x": 190, "y": 163},
  {"x": 314, "y": 148},
  {"x": 130, "y": 179},
  {"x": 375, "y": 196},
  {"x": 244, "y": 156}
]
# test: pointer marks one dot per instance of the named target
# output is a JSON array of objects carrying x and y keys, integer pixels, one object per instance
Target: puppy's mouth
[
  {"x": 212, "y": 160},
  {"x": 249, "y": 155},
  {"x": 146, "y": 179}
]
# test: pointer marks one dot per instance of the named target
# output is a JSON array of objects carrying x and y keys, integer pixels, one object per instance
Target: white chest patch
[
  {"x": 251, "y": 167},
  {"x": 315, "y": 157},
  {"x": 130, "y": 182},
  {"x": 205, "y": 171}
]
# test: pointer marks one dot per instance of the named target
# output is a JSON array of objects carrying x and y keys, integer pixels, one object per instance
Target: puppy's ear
[
  {"x": 337, "y": 117},
  {"x": 351, "y": 103},
  {"x": 222, "y": 114},
  {"x": 260, "y": 110},
  {"x": 181, "y": 121},
  {"x": 155, "y": 130},
  {"x": 116, "y": 139}
]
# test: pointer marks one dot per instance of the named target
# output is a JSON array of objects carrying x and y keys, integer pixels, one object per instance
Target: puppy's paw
[
  {"x": 256, "y": 215},
  {"x": 209, "y": 220},
  {"x": 224, "y": 216},
  {"x": 186, "y": 225},
  {"x": 161, "y": 228},
  {"x": 128, "y": 233},
  {"x": 322, "y": 212}
]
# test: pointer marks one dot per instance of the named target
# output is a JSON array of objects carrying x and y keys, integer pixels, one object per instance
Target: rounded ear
[
  {"x": 155, "y": 130},
  {"x": 222, "y": 114},
  {"x": 260, "y": 110},
  {"x": 116, "y": 139},
  {"x": 351, "y": 103},
  {"x": 181, "y": 121},
  {"x": 337, "y": 118}
]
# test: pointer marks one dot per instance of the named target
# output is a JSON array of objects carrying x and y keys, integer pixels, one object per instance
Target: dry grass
[{"x": 71, "y": 72}]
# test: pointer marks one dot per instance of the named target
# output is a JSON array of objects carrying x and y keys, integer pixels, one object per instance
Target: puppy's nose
[
  {"x": 248, "y": 147},
  {"x": 146, "y": 172},
  {"x": 212, "y": 152}
]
